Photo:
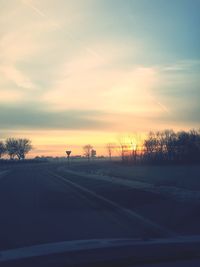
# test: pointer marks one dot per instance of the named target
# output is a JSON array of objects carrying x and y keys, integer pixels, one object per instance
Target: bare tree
[
  {"x": 87, "y": 151},
  {"x": 135, "y": 141},
  {"x": 110, "y": 148},
  {"x": 124, "y": 148},
  {"x": 170, "y": 146},
  {"x": 11, "y": 147},
  {"x": 18, "y": 147},
  {"x": 2, "y": 149},
  {"x": 23, "y": 147},
  {"x": 130, "y": 146}
]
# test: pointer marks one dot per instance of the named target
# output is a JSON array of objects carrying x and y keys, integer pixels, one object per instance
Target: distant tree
[
  {"x": 23, "y": 147},
  {"x": 160, "y": 149},
  {"x": 123, "y": 147},
  {"x": 188, "y": 146},
  {"x": 135, "y": 141},
  {"x": 87, "y": 151},
  {"x": 129, "y": 146},
  {"x": 150, "y": 146},
  {"x": 110, "y": 148},
  {"x": 11, "y": 147},
  {"x": 170, "y": 146},
  {"x": 18, "y": 147},
  {"x": 2, "y": 149}
]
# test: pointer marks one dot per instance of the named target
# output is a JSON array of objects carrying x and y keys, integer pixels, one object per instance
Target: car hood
[{"x": 139, "y": 249}]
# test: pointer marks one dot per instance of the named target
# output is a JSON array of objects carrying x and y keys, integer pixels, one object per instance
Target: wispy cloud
[
  {"x": 10, "y": 73},
  {"x": 30, "y": 4},
  {"x": 182, "y": 65}
]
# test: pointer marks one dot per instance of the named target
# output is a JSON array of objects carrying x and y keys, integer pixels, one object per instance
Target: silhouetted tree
[
  {"x": 2, "y": 149},
  {"x": 11, "y": 147},
  {"x": 188, "y": 146},
  {"x": 18, "y": 147},
  {"x": 87, "y": 151},
  {"x": 134, "y": 140},
  {"x": 23, "y": 147},
  {"x": 123, "y": 148},
  {"x": 150, "y": 146},
  {"x": 110, "y": 147},
  {"x": 170, "y": 146}
]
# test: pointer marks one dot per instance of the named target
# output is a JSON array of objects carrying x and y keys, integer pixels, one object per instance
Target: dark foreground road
[{"x": 39, "y": 204}]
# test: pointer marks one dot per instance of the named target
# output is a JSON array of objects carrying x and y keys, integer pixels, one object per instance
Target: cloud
[
  {"x": 100, "y": 82},
  {"x": 11, "y": 74},
  {"x": 10, "y": 96},
  {"x": 25, "y": 41},
  {"x": 181, "y": 117},
  {"x": 182, "y": 66},
  {"x": 33, "y": 7},
  {"x": 12, "y": 117}
]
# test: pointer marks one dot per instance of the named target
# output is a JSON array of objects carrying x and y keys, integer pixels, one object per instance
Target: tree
[
  {"x": 170, "y": 144},
  {"x": 87, "y": 151},
  {"x": 173, "y": 147},
  {"x": 18, "y": 147},
  {"x": 110, "y": 147},
  {"x": 23, "y": 147},
  {"x": 151, "y": 143},
  {"x": 11, "y": 147},
  {"x": 2, "y": 149},
  {"x": 123, "y": 147},
  {"x": 135, "y": 141}
]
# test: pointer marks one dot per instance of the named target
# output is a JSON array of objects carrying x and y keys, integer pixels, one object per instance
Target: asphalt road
[{"x": 41, "y": 204}]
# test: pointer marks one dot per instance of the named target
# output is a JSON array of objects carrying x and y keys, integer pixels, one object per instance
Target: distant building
[
  {"x": 93, "y": 153},
  {"x": 76, "y": 156}
]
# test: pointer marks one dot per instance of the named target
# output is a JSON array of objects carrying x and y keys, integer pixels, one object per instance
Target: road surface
[{"x": 41, "y": 204}]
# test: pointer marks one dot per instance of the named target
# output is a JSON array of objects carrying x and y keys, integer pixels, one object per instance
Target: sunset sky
[{"x": 89, "y": 71}]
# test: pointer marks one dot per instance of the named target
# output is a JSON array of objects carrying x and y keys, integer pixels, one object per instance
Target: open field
[
  {"x": 175, "y": 199},
  {"x": 183, "y": 176}
]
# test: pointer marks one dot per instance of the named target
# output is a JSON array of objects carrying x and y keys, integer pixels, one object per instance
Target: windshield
[{"x": 99, "y": 122}]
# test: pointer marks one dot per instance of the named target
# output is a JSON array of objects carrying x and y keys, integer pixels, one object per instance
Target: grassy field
[
  {"x": 182, "y": 176},
  {"x": 176, "y": 189}
]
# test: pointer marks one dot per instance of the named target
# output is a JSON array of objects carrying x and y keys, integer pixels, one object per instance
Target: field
[
  {"x": 182, "y": 177},
  {"x": 175, "y": 202}
]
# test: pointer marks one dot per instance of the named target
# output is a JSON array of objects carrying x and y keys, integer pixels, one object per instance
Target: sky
[{"x": 89, "y": 71}]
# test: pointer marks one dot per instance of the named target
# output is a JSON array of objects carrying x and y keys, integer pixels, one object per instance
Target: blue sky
[{"x": 100, "y": 66}]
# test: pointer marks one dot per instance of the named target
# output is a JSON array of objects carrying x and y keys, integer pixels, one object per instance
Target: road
[{"x": 41, "y": 204}]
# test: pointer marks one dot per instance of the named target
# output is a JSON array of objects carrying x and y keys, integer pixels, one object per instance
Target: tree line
[
  {"x": 15, "y": 148},
  {"x": 159, "y": 146},
  {"x": 170, "y": 146}
]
